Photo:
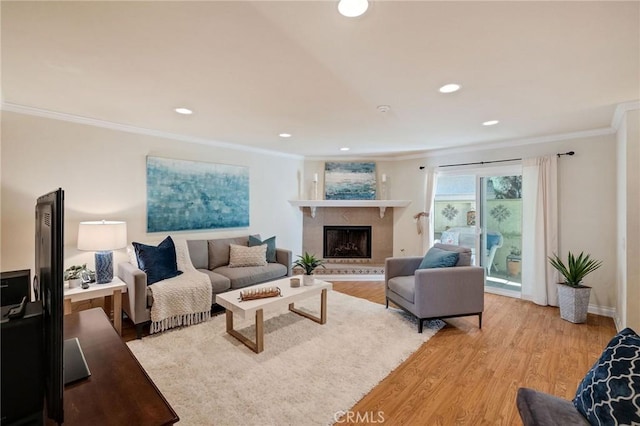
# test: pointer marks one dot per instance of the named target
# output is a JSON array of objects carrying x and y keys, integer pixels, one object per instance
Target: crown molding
[
  {"x": 21, "y": 109},
  {"x": 621, "y": 110},
  {"x": 522, "y": 142}
]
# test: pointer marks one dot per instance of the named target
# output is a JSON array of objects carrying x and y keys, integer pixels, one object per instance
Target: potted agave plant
[
  {"x": 573, "y": 295},
  {"x": 309, "y": 263}
]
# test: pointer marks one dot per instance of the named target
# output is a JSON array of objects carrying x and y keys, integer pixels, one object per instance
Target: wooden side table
[{"x": 112, "y": 290}]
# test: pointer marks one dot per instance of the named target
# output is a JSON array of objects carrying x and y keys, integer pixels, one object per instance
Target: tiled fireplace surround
[{"x": 381, "y": 231}]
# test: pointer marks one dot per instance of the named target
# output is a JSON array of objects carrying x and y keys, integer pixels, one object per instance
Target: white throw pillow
[
  {"x": 247, "y": 256},
  {"x": 133, "y": 258},
  {"x": 450, "y": 237}
]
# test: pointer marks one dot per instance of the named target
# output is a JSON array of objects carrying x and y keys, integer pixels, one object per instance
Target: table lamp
[{"x": 102, "y": 237}]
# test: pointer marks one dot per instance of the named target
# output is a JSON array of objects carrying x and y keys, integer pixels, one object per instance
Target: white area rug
[{"x": 307, "y": 371}]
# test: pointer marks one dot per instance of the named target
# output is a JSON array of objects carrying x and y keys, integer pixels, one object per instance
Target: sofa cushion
[
  {"x": 199, "y": 253},
  {"x": 219, "y": 250},
  {"x": 610, "y": 392},
  {"x": 403, "y": 286},
  {"x": 464, "y": 253},
  {"x": 438, "y": 258},
  {"x": 249, "y": 275},
  {"x": 158, "y": 262},
  {"x": 219, "y": 283},
  {"x": 271, "y": 246},
  {"x": 541, "y": 409},
  {"x": 240, "y": 256}
]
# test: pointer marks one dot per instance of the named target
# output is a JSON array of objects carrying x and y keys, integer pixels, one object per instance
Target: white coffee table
[{"x": 245, "y": 309}]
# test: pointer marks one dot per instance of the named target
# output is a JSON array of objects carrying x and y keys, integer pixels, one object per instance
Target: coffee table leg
[
  {"x": 323, "y": 309},
  {"x": 258, "y": 345}
]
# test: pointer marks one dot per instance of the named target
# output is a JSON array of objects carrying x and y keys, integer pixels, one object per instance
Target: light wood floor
[{"x": 467, "y": 376}]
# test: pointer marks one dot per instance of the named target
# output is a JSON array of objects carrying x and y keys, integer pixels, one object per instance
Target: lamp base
[{"x": 104, "y": 267}]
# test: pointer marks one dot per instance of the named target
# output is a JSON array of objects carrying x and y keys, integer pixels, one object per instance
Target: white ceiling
[{"x": 252, "y": 70}]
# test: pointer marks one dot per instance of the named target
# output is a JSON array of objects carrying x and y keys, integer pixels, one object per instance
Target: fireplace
[{"x": 347, "y": 242}]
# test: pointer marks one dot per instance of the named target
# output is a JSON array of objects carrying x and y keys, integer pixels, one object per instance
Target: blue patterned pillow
[
  {"x": 438, "y": 258},
  {"x": 610, "y": 392},
  {"x": 159, "y": 263}
]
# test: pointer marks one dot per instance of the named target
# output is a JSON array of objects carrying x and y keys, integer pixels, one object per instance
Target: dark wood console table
[{"x": 119, "y": 391}]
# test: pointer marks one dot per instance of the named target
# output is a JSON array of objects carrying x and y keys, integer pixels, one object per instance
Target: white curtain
[
  {"x": 540, "y": 229},
  {"x": 427, "y": 233}
]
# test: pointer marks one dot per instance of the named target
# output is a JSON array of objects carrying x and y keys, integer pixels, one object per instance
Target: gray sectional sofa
[{"x": 210, "y": 257}]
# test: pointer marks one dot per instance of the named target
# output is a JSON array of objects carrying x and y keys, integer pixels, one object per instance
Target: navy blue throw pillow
[
  {"x": 438, "y": 258},
  {"x": 159, "y": 263},
  {"x": 271, "y": 246},
  {"x": 610, "y": 392}
]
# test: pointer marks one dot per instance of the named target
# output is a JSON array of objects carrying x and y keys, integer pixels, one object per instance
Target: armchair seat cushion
[
  {"x": 403, "y": 287},
  {"x": 541, "y": 409}
]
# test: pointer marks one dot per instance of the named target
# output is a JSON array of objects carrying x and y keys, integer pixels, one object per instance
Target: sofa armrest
[
  {"x": 136, "y": 281},
  {"x": 400, "y": 266},
  {"x": 285, "y": 257},
  {"x": 448, "y": 291}
]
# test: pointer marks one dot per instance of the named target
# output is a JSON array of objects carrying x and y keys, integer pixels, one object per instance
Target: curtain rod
[{"x": 495, "y": 161}]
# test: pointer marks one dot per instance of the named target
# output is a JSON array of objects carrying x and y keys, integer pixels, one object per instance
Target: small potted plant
[
  {"x": 513, "y": 261},
  {"x": 73, "y": 274},
  {"x": 309, "y": 263},
  {"x": 573, "y": 295}
]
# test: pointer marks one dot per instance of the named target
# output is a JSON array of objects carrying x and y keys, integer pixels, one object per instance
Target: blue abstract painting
[
  {"x": 189, "y": 195},
  {"x": 350, "y": 181}
]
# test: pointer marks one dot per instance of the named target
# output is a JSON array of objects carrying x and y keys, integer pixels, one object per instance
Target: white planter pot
[
  {"x": 308, "y": 279},
  {"x": 574, "y": 303},
  {"x": 75, "y": 282}
]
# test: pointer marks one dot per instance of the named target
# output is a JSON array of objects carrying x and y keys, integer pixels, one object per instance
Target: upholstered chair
[{"x": 436, "y": 292}]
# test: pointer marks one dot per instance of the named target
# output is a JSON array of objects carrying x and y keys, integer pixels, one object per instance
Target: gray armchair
[{"x": 437, "y": 292}]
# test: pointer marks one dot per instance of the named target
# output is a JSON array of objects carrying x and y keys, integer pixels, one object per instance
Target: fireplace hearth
[{"x": 347, "y": 242}]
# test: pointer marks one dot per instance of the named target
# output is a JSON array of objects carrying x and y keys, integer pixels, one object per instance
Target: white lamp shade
[{"x": 102, "y": 235}]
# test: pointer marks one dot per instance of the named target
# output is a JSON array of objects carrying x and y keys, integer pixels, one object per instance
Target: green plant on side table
[
  {"x": 73, "y": 274},
  {"x": 309, "y": 263},
  {"x": 573, "y": 296}
]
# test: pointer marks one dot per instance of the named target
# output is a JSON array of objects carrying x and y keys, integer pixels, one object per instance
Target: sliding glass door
[{"x": 482, "y": 209}]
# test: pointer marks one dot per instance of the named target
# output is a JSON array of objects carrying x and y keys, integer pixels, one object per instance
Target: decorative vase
[
  {"x": 75, "y": 282},
  {"x": 574, "y": 303},
  {"x": 308, "y": 279}
]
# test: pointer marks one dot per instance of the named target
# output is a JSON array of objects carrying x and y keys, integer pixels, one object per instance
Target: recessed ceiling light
[
  {"x": 352, "y": 8},
  {"x": 490, "y": 123},
  {"x": 345, "y": 148},
  {"x": 285, "y": 135},
  {"x": 384, "y": 108},
  {"x": 184, "y": 111},
  {"x": 450, "y": 88}
]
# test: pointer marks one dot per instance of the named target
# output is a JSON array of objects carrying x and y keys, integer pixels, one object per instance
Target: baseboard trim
[{"x": 605, "y": 311}]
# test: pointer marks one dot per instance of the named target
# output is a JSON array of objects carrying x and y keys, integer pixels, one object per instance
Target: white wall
[
  {"x": 628, "y": 229},
  {"x": 103, "y": 173},
  {"x": 587, "y": 205}
]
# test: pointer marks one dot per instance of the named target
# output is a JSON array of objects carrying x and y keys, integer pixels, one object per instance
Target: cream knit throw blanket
[{"x": 181, "y": 300}]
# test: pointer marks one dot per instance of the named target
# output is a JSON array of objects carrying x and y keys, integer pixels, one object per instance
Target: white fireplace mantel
[{"x": 381, "y": 204}]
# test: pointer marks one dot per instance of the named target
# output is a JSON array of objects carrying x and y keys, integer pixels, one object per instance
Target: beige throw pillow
[{"x": 247, "y": 256}]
